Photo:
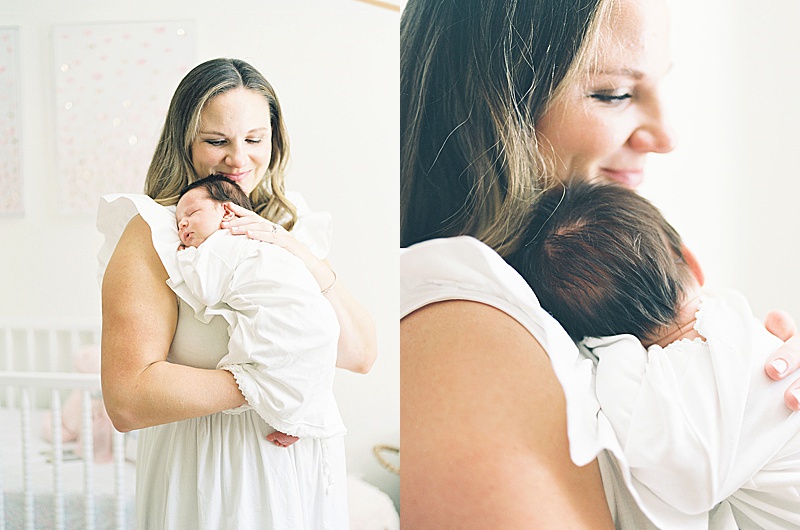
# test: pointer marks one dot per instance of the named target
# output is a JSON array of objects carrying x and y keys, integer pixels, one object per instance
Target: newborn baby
[{"x": 283, "y": 331}]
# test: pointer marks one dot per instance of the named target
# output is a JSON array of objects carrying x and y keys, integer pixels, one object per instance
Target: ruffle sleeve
[{"x": 115, "y": 212}]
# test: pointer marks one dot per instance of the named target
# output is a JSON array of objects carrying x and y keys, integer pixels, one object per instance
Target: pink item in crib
[{"x": 86, "y": 360}]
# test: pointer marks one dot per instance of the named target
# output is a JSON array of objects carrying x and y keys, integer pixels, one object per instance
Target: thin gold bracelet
[{"x": 326, "y": 291}]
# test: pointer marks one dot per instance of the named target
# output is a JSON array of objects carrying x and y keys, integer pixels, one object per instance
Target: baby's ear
[
  {"x": 228, "y": 214},
  {"x": 694, "y": 265}
]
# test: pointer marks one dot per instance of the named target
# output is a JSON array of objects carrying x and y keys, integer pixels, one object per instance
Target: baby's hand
[
  {"x": 181, "y": 247},
  {"x": 281, "y": 439}
]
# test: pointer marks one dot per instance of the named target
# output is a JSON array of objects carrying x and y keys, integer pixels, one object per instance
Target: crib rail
[{"x": 43, "y": 345}]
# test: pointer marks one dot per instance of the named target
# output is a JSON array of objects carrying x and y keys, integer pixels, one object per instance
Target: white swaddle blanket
[
  {"x": 283, "y": 332},
  {"x": 703, "y": 428}
]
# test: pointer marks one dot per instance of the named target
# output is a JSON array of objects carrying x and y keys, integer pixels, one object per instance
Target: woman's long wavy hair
[
  {"x": 171, "y": 168},
  {"x": 475, "y": 77}
]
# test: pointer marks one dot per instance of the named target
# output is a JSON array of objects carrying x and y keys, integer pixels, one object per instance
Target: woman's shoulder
[{"x": 463, "y": 268}]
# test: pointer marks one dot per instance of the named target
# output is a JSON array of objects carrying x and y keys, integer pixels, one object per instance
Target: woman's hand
[
  {"x": 357, "y": 349},
  {"x": 254, "y": 226},
  {"x": 786, "y": 359}
]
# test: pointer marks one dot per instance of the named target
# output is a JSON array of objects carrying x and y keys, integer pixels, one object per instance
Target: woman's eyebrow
[
  {"x": 217, "y": 133},
  {"x": 624, "y": 71},
  {"x": 620, "y": 72}
]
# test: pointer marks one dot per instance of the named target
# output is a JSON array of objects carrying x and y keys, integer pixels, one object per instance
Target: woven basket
[{"x": 380, "y": 453}]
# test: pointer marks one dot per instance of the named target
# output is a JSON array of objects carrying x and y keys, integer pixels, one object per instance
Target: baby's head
[
  {"x": 604, "y": 261},
  {"x": 204, "y": 204}
]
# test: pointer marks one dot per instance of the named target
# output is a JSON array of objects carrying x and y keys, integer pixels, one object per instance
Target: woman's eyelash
[
  {"x": 217, "y": 143},
  {"x": 610, "y": 98}
]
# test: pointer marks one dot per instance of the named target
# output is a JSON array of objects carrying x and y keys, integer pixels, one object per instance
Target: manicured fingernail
[
  {"x": 780, "y": 365},
  {"x": 796, "y": 394}
]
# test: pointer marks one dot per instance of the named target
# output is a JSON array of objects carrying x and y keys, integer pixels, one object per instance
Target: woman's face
[
  {"x": 605, "y": 125},
  {"x": 235, "y": 138}
]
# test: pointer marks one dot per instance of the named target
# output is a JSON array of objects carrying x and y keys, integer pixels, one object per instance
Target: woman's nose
[
  {"x": 654, "y": 134},
  {"x": 235, "y": 157}
]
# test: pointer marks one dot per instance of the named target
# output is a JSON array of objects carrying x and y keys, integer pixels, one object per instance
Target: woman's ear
[
  {"x": 694, "y": 265},
  {"x": 228, "y": 213}
]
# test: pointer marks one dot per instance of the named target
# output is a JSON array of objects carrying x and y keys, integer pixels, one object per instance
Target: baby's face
[{"x": 198, "y": 217}]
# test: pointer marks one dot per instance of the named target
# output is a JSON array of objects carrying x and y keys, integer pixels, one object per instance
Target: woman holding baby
[
  {"x": 198, "y": 467},
  {"x": 499, "y": 101}
]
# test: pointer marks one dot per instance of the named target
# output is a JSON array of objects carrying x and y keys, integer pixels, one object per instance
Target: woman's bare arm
[
  {"x": 483, "y": 428},
  {"x": 140, "y": 388}
]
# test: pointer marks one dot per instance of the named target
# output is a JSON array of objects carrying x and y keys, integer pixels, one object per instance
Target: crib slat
[
  {"x": 2, "y": 502},
  {"x": 119, "y": 479},
  {"x": 30, "y": 342},
  {"x": 9, "y": 342},
  {"x": 58, "y": 463},
  {"x": 88, "y": 460},
  {"x": 74, "y": 342},
  {"x": 27, "y": 473},
  {"x": 30, "y": 358},
  {"x": 52, "y": 350}
]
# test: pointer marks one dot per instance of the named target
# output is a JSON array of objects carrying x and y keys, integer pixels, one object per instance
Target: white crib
[{"x": 47, "y": 484}]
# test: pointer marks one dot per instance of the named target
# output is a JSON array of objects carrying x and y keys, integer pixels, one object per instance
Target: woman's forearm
[{"x": 165, "y": 392}]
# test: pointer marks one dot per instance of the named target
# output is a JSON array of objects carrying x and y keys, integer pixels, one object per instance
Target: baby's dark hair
[
  {"x": 603, "y": 261},
  {"x": 220, "y": 189}
]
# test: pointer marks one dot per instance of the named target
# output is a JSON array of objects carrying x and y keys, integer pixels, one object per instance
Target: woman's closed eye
[
  {"x": 611, "y": 97},
  {"x": 220, "y": 143}
]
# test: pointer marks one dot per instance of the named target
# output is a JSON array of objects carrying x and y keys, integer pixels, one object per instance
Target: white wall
[
  {"x": 730, "y": 186},
  {"x": 334, "y": 64}
]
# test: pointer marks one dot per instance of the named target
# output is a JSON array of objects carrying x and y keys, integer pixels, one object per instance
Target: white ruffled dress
[{"x": 219, "y": 471}]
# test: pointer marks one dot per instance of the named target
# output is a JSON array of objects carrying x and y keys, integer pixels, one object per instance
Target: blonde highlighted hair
[{"x": 171, "y": 168}]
